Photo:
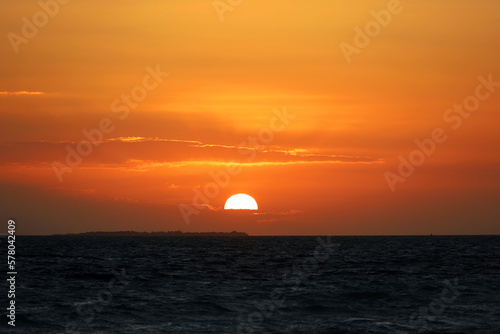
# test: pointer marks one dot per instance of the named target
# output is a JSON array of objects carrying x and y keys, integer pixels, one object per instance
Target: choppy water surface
[{"x": 257, "y": 284}]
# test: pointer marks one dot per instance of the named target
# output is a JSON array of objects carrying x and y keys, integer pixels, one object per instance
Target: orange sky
[{"x": 324, "y": 168}]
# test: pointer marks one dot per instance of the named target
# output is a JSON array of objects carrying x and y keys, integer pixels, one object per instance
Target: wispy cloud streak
[{"x": 21, "y": 93}]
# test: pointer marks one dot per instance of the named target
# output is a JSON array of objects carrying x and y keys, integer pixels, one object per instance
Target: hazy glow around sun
[{"x": 241, "y": 202}]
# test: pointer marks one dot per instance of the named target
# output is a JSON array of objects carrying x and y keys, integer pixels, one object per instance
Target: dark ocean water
[{"x": 256, "y": 285}]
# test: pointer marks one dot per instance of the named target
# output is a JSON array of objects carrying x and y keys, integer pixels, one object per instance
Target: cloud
[
  {"x": 22, "y": 93},
  {"x": 142, "y": 154},
  {"x": 280, "y": 213},
  {"x": 271, "y": 217},
  {"x": 280, "y": 154}
]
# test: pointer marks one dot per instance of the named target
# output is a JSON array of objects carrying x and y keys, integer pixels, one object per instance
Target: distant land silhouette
[{"x": 157, "y": 234}]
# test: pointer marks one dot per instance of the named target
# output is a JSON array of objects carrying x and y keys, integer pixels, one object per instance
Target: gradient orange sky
[{"x": 323, "y": 173}]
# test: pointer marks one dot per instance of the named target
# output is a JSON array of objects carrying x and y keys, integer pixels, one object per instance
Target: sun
[{"x": 241, "y": 202}]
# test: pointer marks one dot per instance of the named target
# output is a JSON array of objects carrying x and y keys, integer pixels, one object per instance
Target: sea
[{"x": 310, "y": 284}]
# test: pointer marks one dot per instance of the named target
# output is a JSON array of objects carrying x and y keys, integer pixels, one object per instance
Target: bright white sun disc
[{"x": 241, "y": 202}]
